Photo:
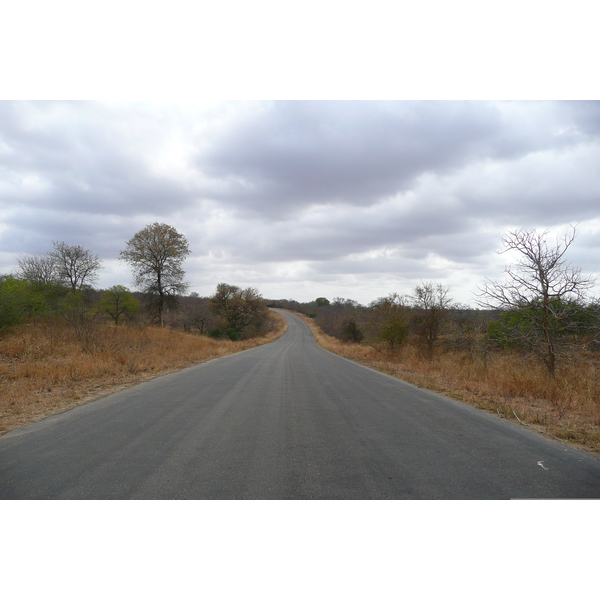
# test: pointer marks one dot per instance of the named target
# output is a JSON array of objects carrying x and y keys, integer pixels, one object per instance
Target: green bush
[
  {"x": 118, "y": 302},
  {"x": 351, "y": 332},
  {"x": 20, "y": 299},
  {"x": 217, "y": 333},
  {"x": 395, "y": 332},
  {"x": 12, "y": 301}
]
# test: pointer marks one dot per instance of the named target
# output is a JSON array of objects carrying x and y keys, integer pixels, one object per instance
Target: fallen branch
[{"x": 516, "y": 415}]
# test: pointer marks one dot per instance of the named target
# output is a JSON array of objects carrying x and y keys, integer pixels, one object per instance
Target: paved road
[{"x": 286, "y": 421}]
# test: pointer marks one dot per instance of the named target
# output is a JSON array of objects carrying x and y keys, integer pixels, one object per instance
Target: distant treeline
[
  {"x": 60, "y": 285},
  {"x": 543, "y": 309},
  {"x": 429, "y": 321}
]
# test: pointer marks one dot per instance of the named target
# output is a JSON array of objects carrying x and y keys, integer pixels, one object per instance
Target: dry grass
[
  {"x": 44, "y": 370},
  {"x": 506, "y": 384}
]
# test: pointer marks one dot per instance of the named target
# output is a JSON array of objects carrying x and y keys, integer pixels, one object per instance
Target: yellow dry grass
[
  {"x": 567, "y": 408},
  {"x": 43, "y": 370}
]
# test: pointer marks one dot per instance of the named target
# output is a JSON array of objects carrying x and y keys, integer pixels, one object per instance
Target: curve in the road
[{"x": 288, "y": 420}]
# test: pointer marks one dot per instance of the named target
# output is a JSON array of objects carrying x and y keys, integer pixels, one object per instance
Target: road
[{"x": 287, "y": 420}]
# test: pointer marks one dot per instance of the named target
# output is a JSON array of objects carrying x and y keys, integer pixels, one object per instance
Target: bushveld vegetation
[
  {"x": 62, "y": 342},
  {"x": 530, "y": 353},
  {"x": 48, "y": 365},
  {"x": 468, "y": 366}
]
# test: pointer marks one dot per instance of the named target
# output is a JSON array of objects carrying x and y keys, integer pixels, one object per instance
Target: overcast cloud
[{"x": 303, "y": 198}]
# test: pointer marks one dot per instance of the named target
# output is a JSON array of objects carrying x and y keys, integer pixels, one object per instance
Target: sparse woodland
[
  {"x": 530, "y": 352},
  {"x": 63, "y": 342},
  {"x": 470, "y": 364}
]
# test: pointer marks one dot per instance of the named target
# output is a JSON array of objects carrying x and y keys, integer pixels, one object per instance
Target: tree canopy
[
  {"x": 118, "y": 302},
  {"x": 156, "y": 255},
  {"x": 238, "y": 308}
]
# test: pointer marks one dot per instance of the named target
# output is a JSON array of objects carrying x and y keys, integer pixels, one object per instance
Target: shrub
[
  {"x": 239, "y": 309},
  {"x": 351, "y": 332},
  {"x": 218, "y": 333},
  {"x": 20, "y": 299}
]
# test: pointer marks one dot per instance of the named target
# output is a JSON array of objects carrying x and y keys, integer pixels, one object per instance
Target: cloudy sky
[
  {"x": 364, "y": 174},
  {"x": 303, "y": 198}
]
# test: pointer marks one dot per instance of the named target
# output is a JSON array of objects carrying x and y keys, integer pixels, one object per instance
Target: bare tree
[
  {"x": 39, "y": 269},
  {"x": 76, "y": 266},
  {"x": 156, "y": 254},
  {"x": 432, "y": 303},
  {"x": 199, "y": 314},
  {"x": 543, "y": 291}
]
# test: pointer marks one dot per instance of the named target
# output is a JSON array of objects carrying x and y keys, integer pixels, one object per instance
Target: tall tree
[
  {"x": 13, "y": 294},
  {"x": 76, "y": 266},
  {"x": 546, "y": 294},
  {"x": 156, "y": 255}
]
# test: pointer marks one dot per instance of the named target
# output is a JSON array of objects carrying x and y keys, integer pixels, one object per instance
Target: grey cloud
[
  {"x": 33, "y": 231},
  {"x": 549, "y": 188},
  {"x": 397, "y": 264},
  {"x": 336, "y": 232},
  {"x": 294, "y": 154},
  {"x": 332, "y": 189},
  {"x": 582, "y": 115},
  {"x": 302, "y": 153},
  {"x": 89, "y": 158}
]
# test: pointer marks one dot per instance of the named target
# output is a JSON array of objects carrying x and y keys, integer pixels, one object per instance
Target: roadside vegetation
[
  {"x": 62, "y": 342},
  {"x": 530, "y": 353},
  {"x": 45, "y": 369},
  {"x": 504, "y": 382}
]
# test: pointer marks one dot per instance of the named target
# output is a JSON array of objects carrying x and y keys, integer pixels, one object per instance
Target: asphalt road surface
[{"x": 288, "y": 420}]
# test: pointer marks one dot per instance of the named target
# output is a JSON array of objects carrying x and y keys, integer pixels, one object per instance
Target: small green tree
[
  {"x": 48, "y": 282},
  {"x": 218, "y": 333},
  {"x": 118, "y": 302},
  {"x": 388, "y": 323},
  {"x": 351, "y": 331},
  {"x": 13, "y": 298},
  {"x": 21, "y": 299}
]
